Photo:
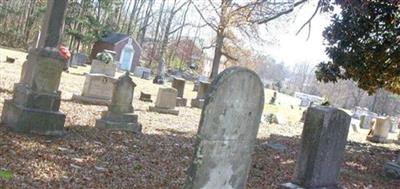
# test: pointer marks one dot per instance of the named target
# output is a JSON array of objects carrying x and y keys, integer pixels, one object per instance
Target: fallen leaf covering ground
[{"x": 88, "y": 157}]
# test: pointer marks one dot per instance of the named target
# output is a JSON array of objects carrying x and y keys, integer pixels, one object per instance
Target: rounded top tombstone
[
  {"x": 233, "y": 93},
  {"x": 228, "y": 129}
]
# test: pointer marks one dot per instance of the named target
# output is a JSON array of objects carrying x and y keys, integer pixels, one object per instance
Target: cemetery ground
[{"x": 88, "y": 157}]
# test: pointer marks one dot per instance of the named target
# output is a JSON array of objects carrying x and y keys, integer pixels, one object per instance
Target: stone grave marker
[
  {"x": 120, "y": 114},
  {"x": 79, "y": 59},
  {"x": 98, "y": 67},
  {"x": 98, "y": 84},
  {"x": 165, "y": 102},
  {"x": 179, "y": 84},
  {"x": 380, "y": 130},
  {"x": 98, "y": 89},
  {"x": 198, "y": 102},
  {"x": 34, "y": 108},
  {"x": 227, "y": 132},
  {"x": 323, "y": 142},
  {"x": 10, "y": 60},
  {"x": 145, "y": 97}
]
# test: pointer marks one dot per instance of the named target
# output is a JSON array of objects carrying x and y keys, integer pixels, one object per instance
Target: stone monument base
[
  {"x": 163, "y": 110},
  {"x": 377, "y": 139},
  {"x": 295, "y": 186},
  {"x": 32, "y": 121},
  {"x": 392, "y": 169},
  {"x": 181, "y": 101},
  {"x": 125, "y": 121},
  {"x": 197, "y": 103},
  {"x": 91, "y": 100}
]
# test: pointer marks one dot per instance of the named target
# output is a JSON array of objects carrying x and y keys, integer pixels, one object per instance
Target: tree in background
[
  {"x": 364, "y": 45},
  {"x": 228, "y": 18}
]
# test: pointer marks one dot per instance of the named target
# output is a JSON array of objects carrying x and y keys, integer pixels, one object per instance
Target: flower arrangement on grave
[{"x": 105, "y": 57}]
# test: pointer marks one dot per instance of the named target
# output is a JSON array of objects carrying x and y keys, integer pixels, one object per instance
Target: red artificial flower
[{"x": 64, "y": 52}]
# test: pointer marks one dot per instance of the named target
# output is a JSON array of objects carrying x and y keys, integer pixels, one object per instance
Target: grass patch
[{"x": 6, "y": 175}]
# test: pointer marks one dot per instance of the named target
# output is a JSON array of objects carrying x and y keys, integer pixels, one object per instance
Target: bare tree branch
[
  {"x": 309, "y": 20},
  {"x": 213, "y": 26},
  {"x": 263, "y": 21}
]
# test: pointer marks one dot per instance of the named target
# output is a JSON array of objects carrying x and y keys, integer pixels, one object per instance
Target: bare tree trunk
[
  {"x": 135, "y": 5},
  {"x": 157, "y": 30},
  {"x": 217, "y": 55},
  {"x": 225, "y": 4},
  {"x": 143, "y": 29}
]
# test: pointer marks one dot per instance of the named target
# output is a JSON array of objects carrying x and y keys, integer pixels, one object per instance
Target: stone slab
[
  {"x": 24, "y": 96},
  {"x": 32, "y": 121},
  {"x": 295, "y": 186},
  {"x": 125, "y": 126},
  {"x": 378, "y": 139},
  {"x": 163, "y": 110}
]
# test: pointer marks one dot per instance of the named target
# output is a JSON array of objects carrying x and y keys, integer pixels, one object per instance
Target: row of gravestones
[
  {"x": 100, "y": 82},
  {"x": 169, "y": 98},
  {"x": 227, "y": 130}
]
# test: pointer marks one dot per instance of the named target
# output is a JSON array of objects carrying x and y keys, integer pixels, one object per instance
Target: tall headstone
[
  {"x": 36, "y": 100},
  {"x": 120, "y": 114},
  {"x": 380, "y": 130},
  {"x": 323, "y": 142},
  {"x": 165, "y": 102},
  {"x": 198, "y": 102},
  {"x": 227, "y": 132},
  {"x": 53, "y": 24},
  {"x": 179, "y": 85}
]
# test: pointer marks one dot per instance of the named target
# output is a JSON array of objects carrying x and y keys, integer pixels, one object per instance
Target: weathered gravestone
[
  {"x": 198, "y": 102},
  {"x": 380, "y": 130},
  {"x": 323, "y": 142},
  {"x": 36, "y": 99},
  {"x": 165, "y": 102},
  {"x": 145, "y": 97},
  {"x": 227, "y": 132},
  {"x": 10, "y": 60},
  {"x": 78, "y": 59},
  {"x": 99, "y": 67},
  {"x": 120, "y": 114},
  {"x": 98, "y": 89},
  {"x": 179, "y": 85}
]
